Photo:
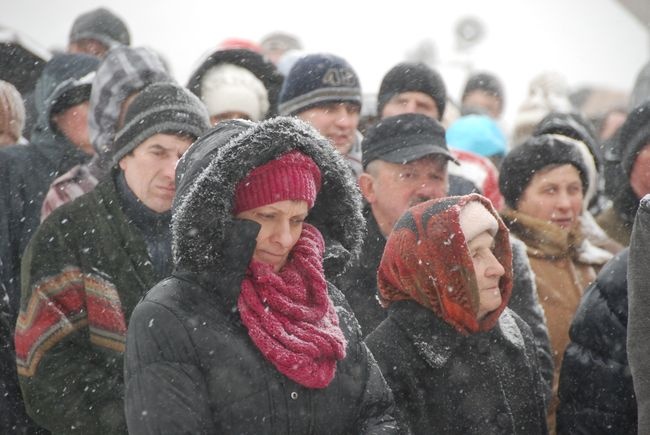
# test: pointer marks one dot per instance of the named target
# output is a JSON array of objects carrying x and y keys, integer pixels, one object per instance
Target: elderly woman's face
[
  {"x": 281, "y": 227},
  {"x": 555, "y": 195}
]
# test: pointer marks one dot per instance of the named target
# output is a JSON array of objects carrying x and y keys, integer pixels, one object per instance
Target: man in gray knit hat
[{"x": 92, "y": 260}]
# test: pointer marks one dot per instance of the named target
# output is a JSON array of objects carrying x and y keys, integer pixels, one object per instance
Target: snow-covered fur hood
[{"x": 201, "y": 218}]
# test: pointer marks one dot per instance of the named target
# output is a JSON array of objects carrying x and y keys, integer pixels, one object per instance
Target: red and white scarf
[{"x": 290, "y": 316}]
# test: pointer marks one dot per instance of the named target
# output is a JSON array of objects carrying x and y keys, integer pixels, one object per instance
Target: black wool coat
[
  {"x": 596, "y": 391},
  {"x": 359, "y": 281},
  {"x": 448, "y": 383}
]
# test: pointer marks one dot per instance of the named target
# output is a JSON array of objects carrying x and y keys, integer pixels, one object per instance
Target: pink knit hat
[{"x": 292, "y": 176}]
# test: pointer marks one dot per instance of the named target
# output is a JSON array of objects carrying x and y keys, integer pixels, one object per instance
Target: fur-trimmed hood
[{"x": 203, "y": 216}]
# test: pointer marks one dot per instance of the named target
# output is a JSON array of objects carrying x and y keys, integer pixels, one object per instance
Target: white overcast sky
[{"x": 591, "y": 42}]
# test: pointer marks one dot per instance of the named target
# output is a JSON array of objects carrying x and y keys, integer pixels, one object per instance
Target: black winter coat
[
  {"x": 596, "y": 392},
  {"x": 359, "y": 282},
  {"x": 448, "y": 383},
  {"x": 206, "y": 375},
  {"x": 190, "y": 364}
]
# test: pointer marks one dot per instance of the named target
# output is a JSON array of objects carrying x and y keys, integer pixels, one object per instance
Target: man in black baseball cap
[{"x": 405, "y": 162}]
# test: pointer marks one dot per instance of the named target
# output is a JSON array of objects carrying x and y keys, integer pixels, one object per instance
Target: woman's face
[
  {"x": 554, "y": 195},
  {"x": 281, "y": 227}
]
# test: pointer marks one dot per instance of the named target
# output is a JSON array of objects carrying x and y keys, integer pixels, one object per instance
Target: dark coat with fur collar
[{"x": 190, "y": 362}]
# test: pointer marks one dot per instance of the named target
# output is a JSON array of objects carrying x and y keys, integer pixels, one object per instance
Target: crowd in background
[{"x": 258, "y": 251}]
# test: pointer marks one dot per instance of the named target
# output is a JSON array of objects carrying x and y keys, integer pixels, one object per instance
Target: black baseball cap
[{"x": 404, "y": 138}]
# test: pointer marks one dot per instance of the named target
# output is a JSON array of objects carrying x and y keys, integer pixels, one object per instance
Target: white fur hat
[
  {"x": 475, "y": 219},
  {"x": 231, "y": 88}
]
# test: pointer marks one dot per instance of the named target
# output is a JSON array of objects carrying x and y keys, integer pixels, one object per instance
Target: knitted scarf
[{"x": 290, "y": 317}]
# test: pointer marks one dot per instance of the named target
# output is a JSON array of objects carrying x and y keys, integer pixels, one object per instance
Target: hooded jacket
[
  {"x": 449, "y": 371},
  {"x": 264, "y": 70},
  {"x": 190, "y": 363},
  {"x": 27, "y": 171}
]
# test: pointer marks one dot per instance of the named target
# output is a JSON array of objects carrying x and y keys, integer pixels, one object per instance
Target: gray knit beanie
[{"x": 160, "y": 108}]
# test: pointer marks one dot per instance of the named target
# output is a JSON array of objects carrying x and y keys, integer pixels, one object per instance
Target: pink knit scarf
[{"x": 290, "y": 316}]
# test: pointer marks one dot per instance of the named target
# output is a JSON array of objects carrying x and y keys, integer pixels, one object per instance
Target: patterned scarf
[{"x": 290, "y": 317}]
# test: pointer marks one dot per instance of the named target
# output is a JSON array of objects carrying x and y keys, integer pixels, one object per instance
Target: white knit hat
[
  {"x": 476, "y": 219},
  {"x": 231, "y": 88}
]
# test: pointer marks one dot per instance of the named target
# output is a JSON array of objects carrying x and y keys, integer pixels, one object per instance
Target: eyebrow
[{"x": 157, "y": 146}]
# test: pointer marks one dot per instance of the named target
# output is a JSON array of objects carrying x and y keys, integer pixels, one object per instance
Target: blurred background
[{"x": 599, "y": 46}]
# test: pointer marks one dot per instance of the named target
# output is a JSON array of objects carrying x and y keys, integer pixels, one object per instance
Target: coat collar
[{"x": 436, "y": 341}]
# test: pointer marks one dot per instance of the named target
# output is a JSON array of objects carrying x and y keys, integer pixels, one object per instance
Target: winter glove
[{"x": 238, "y": 248}]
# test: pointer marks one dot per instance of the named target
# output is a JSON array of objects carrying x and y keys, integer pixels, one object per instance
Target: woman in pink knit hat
[{"x": 248, "y": 336}]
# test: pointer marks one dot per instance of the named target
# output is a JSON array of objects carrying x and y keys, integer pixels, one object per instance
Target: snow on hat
[
  {"x": 292, "y": 176},
  {"x": 318, "y": 79},
  {"x": 160, "y": 108},
  {"x": 12, "y": 110},
  {"x": 404, "y": 138},
  {"x": 634, "y": 135},
  {"x": 475, "y": 219},
  {"x": 520, "y": 165},
  {"x": 101, "y": 25},
  {"x": 478, "y": 134},
  {"x": 231, "y": 88},
  {"x": 412, "y": 77}
]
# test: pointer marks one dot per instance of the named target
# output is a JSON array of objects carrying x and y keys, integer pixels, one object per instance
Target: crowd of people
[{"x": 254, "y": 253}]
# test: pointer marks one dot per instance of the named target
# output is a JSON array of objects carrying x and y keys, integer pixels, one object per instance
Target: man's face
[
  {"x": 338, "y": 122},
  {"x": 150, "y": 169},
  {"x": 73, "y": 123},
  {"x": 391, "y": 188},
  {"x": 486, "y": 101},
  {"x": 640, "y": 175},
  {"x": 554, "y": 195},
  {"x": 411, "y": 102}
]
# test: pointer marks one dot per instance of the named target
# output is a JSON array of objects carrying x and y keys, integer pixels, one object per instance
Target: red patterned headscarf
[{"x": 427, "y": 260}]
